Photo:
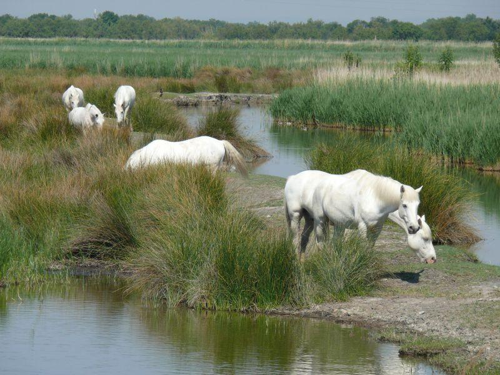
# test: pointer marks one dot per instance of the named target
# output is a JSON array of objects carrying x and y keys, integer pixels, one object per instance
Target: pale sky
[{"x": 342, "y": 11}]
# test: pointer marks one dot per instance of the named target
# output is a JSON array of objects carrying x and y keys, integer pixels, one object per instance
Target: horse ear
[
  {"x": 114, "y": 105},
  {"x": 419, "y": 189},
  {"x": 423, "y": 218},
  {"x": 419, "y": 221},
  {"x": 402, "y": 189}
]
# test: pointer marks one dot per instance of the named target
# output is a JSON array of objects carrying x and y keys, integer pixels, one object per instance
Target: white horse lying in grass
[
  {"x": 358, "y": 199},
  {"x": 85, "y": 118},
  {"x": 200, "y": 150}
]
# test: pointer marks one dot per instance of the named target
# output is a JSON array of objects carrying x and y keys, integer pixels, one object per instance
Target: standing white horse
[
  {"x": 363, "y": 201},
  {"x": 72, "y": 98},
  {"x": 124, "y": 101},
  {"x": 200, "y": 150}
]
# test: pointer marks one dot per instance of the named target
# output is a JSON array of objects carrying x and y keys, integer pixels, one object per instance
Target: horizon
[{"x": 247, "y": 11}]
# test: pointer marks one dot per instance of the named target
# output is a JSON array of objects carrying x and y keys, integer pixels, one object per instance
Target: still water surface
[
  {"x": 88, "y": 327},
  {"x": 289, "y": 146}
]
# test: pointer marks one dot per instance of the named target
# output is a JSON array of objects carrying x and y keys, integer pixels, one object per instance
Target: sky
[{"x": 342, "y": 11}]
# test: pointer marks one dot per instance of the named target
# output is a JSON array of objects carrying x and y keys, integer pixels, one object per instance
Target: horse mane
[{"x": 387, "y": 189}]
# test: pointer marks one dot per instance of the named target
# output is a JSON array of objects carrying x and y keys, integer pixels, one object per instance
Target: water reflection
[
  {"x": 87, "y": 326},
  {"x": 289, "y": 146}
]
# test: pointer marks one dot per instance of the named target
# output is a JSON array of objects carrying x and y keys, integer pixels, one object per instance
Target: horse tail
[{"x": 233, "y": 157}]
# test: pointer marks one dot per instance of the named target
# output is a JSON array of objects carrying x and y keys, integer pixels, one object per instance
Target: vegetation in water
[
  {"x": 445, "y": 198},
  {"x": 223, "y": 123},
  {"x": 457, "y": 122}
]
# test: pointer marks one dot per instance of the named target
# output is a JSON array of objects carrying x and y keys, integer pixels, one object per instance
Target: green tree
[{"x": 109, "y": 18}]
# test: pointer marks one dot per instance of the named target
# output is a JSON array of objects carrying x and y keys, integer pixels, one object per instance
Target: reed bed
[{"x": 457, "y": 122}]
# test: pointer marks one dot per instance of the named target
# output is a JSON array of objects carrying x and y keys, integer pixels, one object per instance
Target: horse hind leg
[{"x": 306, "y": 233}]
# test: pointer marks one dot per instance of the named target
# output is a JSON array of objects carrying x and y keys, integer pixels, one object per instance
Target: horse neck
[{"x": 388, "y": 191}]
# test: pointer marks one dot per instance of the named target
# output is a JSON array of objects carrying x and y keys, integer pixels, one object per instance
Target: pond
[
  {"x": 88, "y": 326},
  {"x": 289, "y": 145}
]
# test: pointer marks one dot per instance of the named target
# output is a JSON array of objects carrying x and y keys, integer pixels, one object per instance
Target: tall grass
[
  {"x": 223, "y": 123},
  {"x": 65, "y": 196},
  {"x": 150, "y": 115},
  {"x": 445, "y": 198},
  {"x": 459, "y": 122}
]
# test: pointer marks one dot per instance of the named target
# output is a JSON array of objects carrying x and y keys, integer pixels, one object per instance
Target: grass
[
  {"x": 182, "y": 58},
  {"x": 223, "y": 123},
  {"x": 456, "y": 122},
  {"x": 66, "y": 197},
  {"x": 449, "y": 354},
  {"x": 445, "y": 198}
]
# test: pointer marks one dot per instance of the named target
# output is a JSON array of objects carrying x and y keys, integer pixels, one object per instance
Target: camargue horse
[
  {"x": 86, "y": 118},
  {"x": 363, "y": 200},
  {"x": 200, "y": 150},
  {"x": 420, "y": 242},
  {"x": 72, "y": 98},
  {"x": 124, "y": 101}
]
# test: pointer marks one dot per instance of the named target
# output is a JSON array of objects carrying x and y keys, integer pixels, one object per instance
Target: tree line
[{"x": 111, "y": 25}]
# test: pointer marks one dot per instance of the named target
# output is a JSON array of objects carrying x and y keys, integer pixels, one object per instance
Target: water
[
  {"x": 289, "y": 146},
  {"x": 88, "y": 327}
]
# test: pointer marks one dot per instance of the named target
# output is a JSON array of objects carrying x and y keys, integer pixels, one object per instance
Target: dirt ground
[{"x": 456, "y": 300}]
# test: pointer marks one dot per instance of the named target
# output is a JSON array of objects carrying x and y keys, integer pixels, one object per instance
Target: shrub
[
  {"x": 496, "y": 48},
  {"x": 446, "y": 59},
  {"x": 351, "y": 59},
  {"x": 412, "y": 59}
]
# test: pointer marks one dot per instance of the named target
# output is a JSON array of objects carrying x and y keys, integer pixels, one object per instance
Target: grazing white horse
[
  {"x": 124, "y": 101},
  {"x": 420, "y": 242},
  {"x": 85, "y": 118},
  {"x": 200, "y": 150},
  {"x": 358, "y": 199},
  {"x": 72, "y": 98}
]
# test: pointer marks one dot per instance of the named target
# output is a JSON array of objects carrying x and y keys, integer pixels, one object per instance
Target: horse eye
[{"x": 405, "y": 206}]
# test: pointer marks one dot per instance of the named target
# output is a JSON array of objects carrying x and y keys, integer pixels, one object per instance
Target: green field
[{"x": 182, "y": 59}]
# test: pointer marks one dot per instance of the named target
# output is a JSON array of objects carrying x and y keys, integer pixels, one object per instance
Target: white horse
[
  {"x": 200, "y": 150},
  {"x": 72, "y": 98},
  {"x": 124, "y": 101},
  {"x": 362, "y": 200},
  {"x": 420, "y": 242},
  {"x": 85, "y": 118}
]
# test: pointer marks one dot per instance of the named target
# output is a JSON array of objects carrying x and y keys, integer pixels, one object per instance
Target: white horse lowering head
[
  {"x": 408, "y": 207},
  {"x": 421, "y": 242},
  {"x": 95, "y": 115},
  {"x": 120, "y": 112},
  {"x": 74, "y": 99}
]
